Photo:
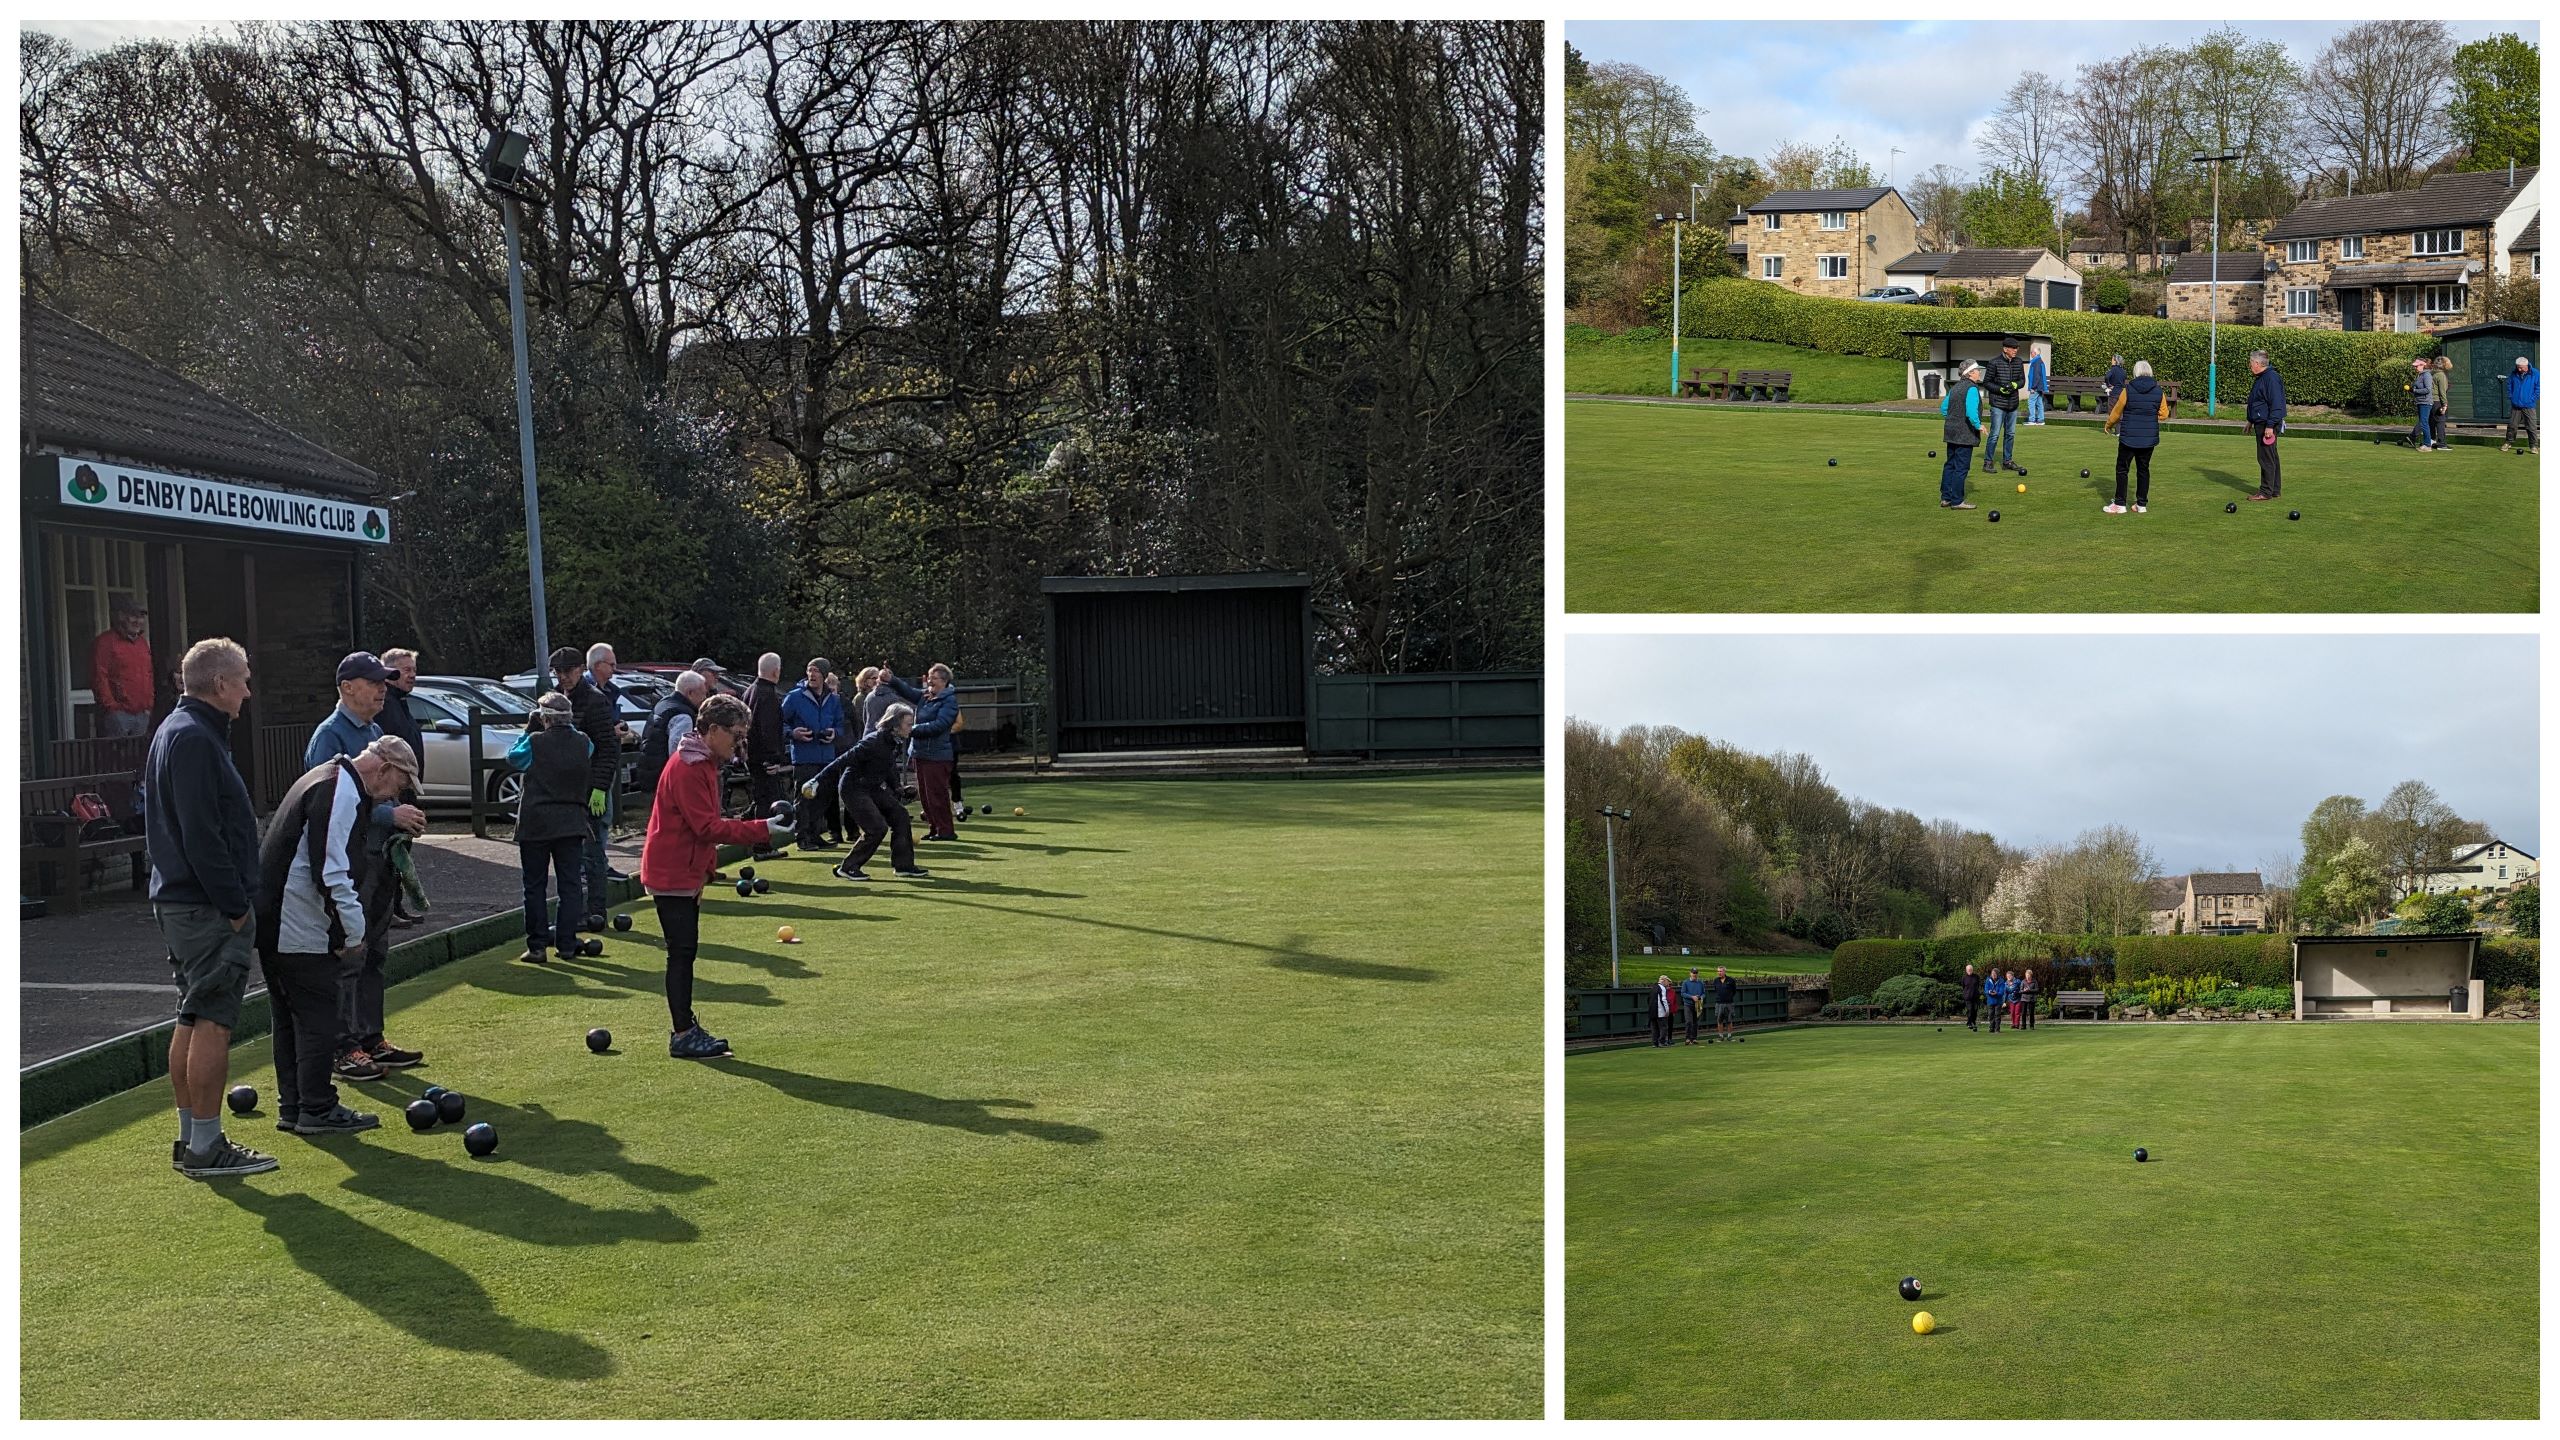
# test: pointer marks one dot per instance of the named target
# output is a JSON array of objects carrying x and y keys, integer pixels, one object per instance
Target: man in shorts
[
  {"x": 201, "y": 837},
  {"x": 1728, "y": 996}
]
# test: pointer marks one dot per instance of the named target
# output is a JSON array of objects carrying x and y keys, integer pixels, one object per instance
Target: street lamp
[
  {"x": 502, "y": 170},
  {"x": 1609, "y": 816},
  {"x": 2213, "y": 279},
  {"x": 1674, "y": 220}
]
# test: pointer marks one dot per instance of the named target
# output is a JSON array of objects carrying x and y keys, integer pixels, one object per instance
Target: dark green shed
[{"x": 2482, "y": 355}]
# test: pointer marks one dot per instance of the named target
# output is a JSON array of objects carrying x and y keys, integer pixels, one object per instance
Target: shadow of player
[
  {"x": 424, "y": 1294},
  {"x": 978, "y": 1117},
  {"x": 478, "y": 1195}
]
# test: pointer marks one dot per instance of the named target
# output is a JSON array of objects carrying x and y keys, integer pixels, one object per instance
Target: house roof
[
  {"x": 2485, "y": 844},
  {"x": 2472, "y": 197},
  {"x": 1989, "y": 264},
  {"x": 2471, "y": 935},
  {"x": 2531, "y": 239},
  {"x": 1918, "y": 262},
  {"x": 2238, "y": 266},
  {"x": 82, "y": 392},
  {"x": 2168, "y": 892},
  {"x": 2114, "y": 245},
  {"x": 1782, "y": 202},
  {"x": 2237, "y": 882},
  {"x": 2416, "y": 272}
]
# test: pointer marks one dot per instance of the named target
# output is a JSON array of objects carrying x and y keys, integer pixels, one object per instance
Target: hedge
[
  {"x": 1862, "y": 966},
  {"x": 2320, "y": 367}
]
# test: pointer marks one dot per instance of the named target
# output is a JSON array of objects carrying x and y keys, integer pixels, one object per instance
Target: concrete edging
[{"x": 54, "y": 1088}]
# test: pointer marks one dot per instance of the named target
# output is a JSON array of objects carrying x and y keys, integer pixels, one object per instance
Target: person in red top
[
  {"x": 120, "y": 674},
  {"x": 686, "y": 831}
]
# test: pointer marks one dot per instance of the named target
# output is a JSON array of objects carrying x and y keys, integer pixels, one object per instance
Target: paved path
[{"x": 104, "y": 972}]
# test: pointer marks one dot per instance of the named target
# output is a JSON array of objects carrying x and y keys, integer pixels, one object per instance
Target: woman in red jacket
[{"x": 686, "y": 830}]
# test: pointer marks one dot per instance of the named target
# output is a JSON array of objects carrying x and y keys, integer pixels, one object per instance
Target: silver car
[{"x": 441, "y": 705}]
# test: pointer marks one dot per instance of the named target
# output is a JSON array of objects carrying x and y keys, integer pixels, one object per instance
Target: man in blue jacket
[
  {"x": 2524, "y": 405},
  {"x": 2266, "y": 423},
  {"x": 2039, "y": 382},
  {"x": 364, "y": 684},
  {"x": 1693, "y": 1002},
  {"x": 1962, "y": 409},
  {"x": 811, "y": 716},
  {"x": 201, "y": 837}
]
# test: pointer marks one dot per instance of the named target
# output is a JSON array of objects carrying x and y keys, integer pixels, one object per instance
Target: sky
[
  {"x": 2212, "y": 748},
  {"x": 1921, "y": 85}
]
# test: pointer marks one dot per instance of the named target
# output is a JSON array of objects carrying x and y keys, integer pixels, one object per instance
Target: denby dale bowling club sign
[{"x": 95, "y": 485}]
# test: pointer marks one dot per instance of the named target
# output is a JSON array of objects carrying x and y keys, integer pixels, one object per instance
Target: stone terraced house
[
  {"x": 2405, "y": 260},
  {"x": 1823, "y": 242}
]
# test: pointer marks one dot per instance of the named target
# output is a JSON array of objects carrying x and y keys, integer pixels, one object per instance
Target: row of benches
[
  {"x": 2067, "y": 1000},
  {"x": 1772, "y": 385}
]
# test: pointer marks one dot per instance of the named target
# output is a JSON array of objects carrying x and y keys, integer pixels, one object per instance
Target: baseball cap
[{"x": 365, "y": 665}]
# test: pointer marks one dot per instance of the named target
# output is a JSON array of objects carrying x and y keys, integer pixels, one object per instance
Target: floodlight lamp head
[{"x": 502, "y": 162}]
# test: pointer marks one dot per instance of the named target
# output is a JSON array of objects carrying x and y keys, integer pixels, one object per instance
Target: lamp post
[
  {"x": 502, "y": 170},
  {"x": 1609, "y": 816},
  {"x": 2213, "y": 281},
  {"x": 1673, "y": 220}
]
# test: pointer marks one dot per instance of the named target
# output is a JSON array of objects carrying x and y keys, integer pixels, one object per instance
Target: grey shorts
[
  {"x": 1724, "y": 1012},
  {"x": 211, "y": 961}
]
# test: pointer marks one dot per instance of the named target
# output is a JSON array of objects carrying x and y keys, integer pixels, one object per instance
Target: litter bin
[{"x": 2461, "y": 999}]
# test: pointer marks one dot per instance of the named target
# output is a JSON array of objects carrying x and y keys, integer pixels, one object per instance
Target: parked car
[
  {"x": 727, "y": 682},
  {"x": 442, "y": 711},
  {"x": 1893, "y": 295}
]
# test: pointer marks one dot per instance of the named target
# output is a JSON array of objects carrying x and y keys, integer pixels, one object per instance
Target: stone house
[
  {"x": 2403, "y": 260},
  {"x": 2107, "y": 252},
  {"x": 1823, "y": 242},
  {"x": 2242, "y": 284},
  {"x": 2042, "y": 281},
  {"x": 2209, "y": 903},
  {"x": 2491, "y": 865},
  {"x": 2524, "y": 257}
]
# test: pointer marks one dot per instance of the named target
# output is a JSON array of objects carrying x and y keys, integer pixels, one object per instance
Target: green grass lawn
[
  {"x": 2338, "y": 1220},
  {"x": 1173, "y": 1098},
  {"x": 1643, "y": 367},
  {"x": 1671, "y": 508}
]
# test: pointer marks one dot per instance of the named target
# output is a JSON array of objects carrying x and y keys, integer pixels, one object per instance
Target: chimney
[{"x": 2511, "y": 172}]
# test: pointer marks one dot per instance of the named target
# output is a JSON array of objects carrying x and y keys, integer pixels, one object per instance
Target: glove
[
  {"x": 778, "y": 831},
  {"x": 595, "y": 803}
]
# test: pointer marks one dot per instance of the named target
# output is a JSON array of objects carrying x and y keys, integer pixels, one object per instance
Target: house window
[
  {"x": 2436, "y": 242},
  {"x": 2537, "y": 264},
  {"x": 2302, "y": 302},
  {"x": 2301, "y": 252},
  {"x": 2443, "y": 299},
  {"x": 2351, "y": 247},
  {"x": 1770, "y": 221},
  {"x": 1771, "y": 266},
  {"x": 2502, "y": 872},
  {"x": 1835, "y": 219},
  {"x": 1832, "y": 267}
]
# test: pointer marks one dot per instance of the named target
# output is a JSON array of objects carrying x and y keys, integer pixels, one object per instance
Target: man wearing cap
[
  {"x": 408, "y": 897},
  {"x": 314, "y": 870},
  {"x": 363, "y": 684},
  {"x": 120, "y": 674},
  {"x": 2003, "y": 378},
  {"x": 202, "y": 842}
]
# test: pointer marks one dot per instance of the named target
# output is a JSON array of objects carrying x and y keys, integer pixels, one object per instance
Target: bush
[
  {"x": 2244, "y": 959},
  {"x": 2319, "y": 367},
  {"x": 2391, "y": 393},
  {"x": 1917, "y": 995},
  {"x": 2005, "y": 298},
  {"x": 2507, "y": 960},
  {"x": 1957, "y": 299},
  {"x": 1858, "y": 967},
  {"x": 2111, "y": 292}
]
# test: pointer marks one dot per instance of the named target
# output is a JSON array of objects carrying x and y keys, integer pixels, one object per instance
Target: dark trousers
[
  {"x": 2525, "y": 416},
  {"x": 360, "y": 979},
  {"x": 1997, "y": 1009},
  {"x": 541, "y": 859},
  {"x": 933, "y": 792},
  {"x": 1689, "y": 1011},
  {"x": 680, "y": 921},
  {"x": 823, "y": 808},
  {"x": 2139, "y": 458},
  {"x": 2270, "y": 469},
  {"x": 878, "y": 813},
  {"x": 1951, "y": 479},
  {"x": 955, "y": 778},
  {"x": 1661, "y": 1030},
  {"x": 2027, "y": 1013},
  {"x": 767, "y": 787},
  {"x": 1972, "y": 1011},
  {"x": 302, "y": 995}
]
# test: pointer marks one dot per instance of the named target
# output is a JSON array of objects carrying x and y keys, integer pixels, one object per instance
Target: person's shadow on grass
[
  {"x": 978, "y": 1117},
  {"x": 574, "y": 1147},
  {"x": 477, "y": 1195},
  {"x": 424, "y": 1294},
  {"x": 1291, "y": 954},
  {"x": 2229, "y": 481}
]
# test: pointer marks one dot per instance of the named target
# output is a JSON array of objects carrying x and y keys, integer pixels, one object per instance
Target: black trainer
[
  {"x": 338, "y": 1121},
  {"x": 918, "y": 873},
  {"x": 842, "y": 873},
  {"x": 228, "y": 1157}
]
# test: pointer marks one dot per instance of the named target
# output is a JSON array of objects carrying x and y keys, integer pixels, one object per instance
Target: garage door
[{"x": 2061, "y": 296}]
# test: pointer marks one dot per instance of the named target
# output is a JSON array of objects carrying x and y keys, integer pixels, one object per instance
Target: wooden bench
[
  {"x": 52, "y": 854},
  {"x": 2075, "y": 387},
  {"x": 2080, "y": 999},
  {"x": 1863, "y": 1012},
  {"x": 1707, "y": 384},
  {"x": 1771, "y": 385}
]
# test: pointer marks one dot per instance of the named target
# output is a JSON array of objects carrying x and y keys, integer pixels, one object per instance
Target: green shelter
[{"x": 2482, "y": 355}]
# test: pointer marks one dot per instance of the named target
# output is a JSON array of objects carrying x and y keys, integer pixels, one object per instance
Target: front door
[
  {"x": 2351, "y": 309},
  {"x": 2405, "y": 310}
]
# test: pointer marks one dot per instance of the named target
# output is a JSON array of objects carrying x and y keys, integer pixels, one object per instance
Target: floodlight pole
[
  {"x": 1675, "y": 302},
  {"x": 1609, "y": 816},
  {"x": 2213, "y": 283},
  {"x": 504, "y": 187}
]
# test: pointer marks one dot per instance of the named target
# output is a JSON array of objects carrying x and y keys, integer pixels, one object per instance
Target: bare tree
[
  {"x": 2120, "y": 126},
  {"x": 1937, "y": 198},
  {"x": 2025, "y": 136},
  {"x": 2373, "y": 103}
]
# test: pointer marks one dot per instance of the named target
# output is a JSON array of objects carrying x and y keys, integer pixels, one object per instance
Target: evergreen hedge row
[
  {"x": 2361, "y": 371},
  {"x": 1861, "y": 966}
]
